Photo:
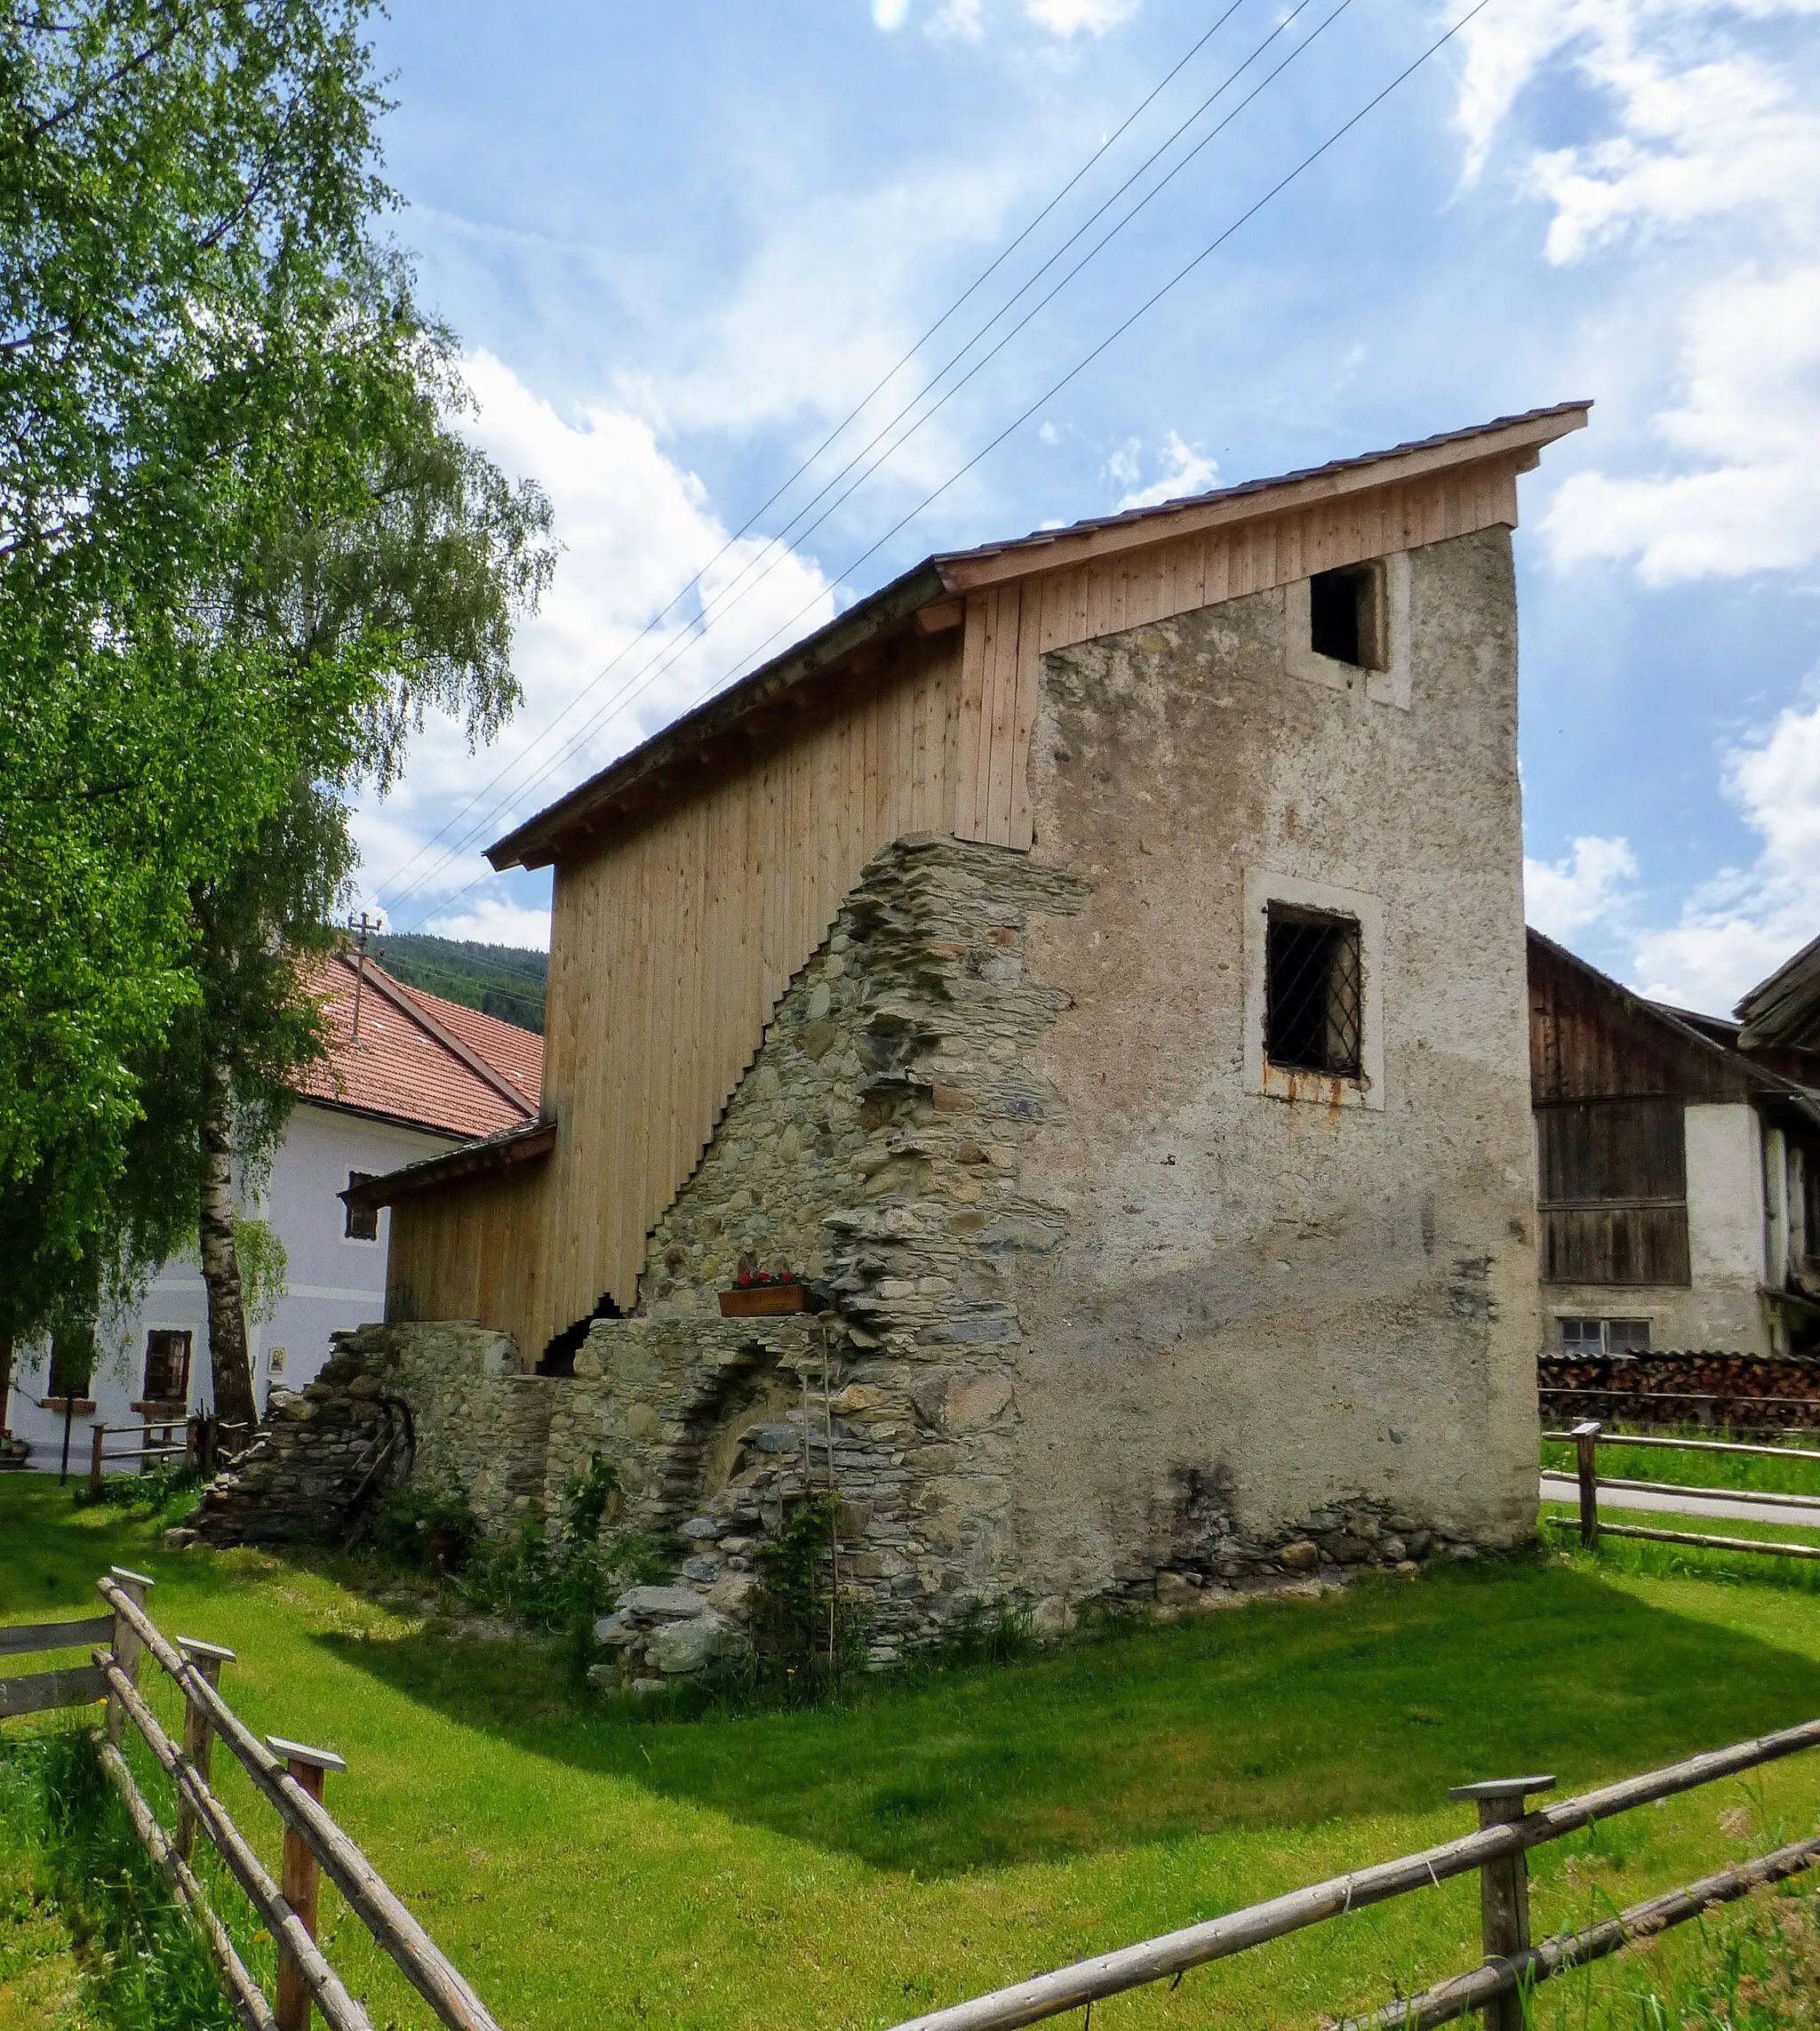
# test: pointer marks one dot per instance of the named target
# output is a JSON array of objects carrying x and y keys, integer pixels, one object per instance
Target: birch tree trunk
[{"x": 229, "y": 1361}]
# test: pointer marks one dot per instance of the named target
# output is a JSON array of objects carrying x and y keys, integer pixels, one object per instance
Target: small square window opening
[
  {"x": 167, "y": 1367},
  {"x": 363, "y": 1223},
  {"x": 1312, "y": 1013},
  {"x": 1580, "y": 1337},
  {"x": 1345, "y": 616},
  {"x": 1627, "y": 1336}
]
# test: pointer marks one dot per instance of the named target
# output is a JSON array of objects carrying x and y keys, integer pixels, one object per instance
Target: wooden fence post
[
  {"x": 301, "y": 1876},
  {"x": 198, "y": 1735},
  {"x": 125, "y": 1645},
  {"x": 99, "y": 1434},
  {"x": 1586, "y": 1448},
  {"x": 1503, "y": 1886}
]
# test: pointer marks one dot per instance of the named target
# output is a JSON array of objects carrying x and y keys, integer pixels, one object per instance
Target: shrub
[
  {"x": 427, "y": 1524},
  {"x": 807, "y": 1636}
]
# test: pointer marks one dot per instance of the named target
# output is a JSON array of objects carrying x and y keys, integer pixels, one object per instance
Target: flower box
[{"x": 762, "y": 1300}]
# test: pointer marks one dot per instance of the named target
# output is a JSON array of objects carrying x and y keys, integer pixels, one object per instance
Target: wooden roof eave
[
  {"x": 537, "y": 842},
  {"x": 528, "y": 1145},
  {"x": 932, "y": 595},
  {"x": 1523, "y": 438}
]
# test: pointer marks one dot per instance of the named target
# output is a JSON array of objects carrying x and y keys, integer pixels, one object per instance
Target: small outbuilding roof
[{"x": 930, "y": 597}]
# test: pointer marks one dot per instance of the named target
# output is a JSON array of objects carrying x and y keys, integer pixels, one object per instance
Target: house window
[
  {"x": 362, "y": 1222},
  {"x": 1589, "y": 1337},
  {"x": 1313, "y": 1005},
  {"x": 1346, "y": 615},
  {"x": 167, "y": 1367}
]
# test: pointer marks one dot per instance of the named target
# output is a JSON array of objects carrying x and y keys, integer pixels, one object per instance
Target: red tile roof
[{"x": 421, "y": 1059}]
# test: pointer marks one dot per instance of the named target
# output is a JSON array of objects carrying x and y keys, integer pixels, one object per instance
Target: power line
[
  {"x": 777, "y": 548},
  {"x": 984, "y": 274},
  {"x": 1142, "y": 309},
  {"x": 664, "y": 659}
]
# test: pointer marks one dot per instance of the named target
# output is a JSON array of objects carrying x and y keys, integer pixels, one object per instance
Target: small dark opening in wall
[
  {"x": 1313, "y": 1017},
  {"x": 560, "y": 1351},
  {"x": 1343, "y": 616},
  {"x": 362, "y": 1222}
]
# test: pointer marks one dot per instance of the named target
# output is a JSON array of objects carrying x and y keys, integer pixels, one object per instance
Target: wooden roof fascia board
[
  {"x": 526, "y": 1145},
  {"x": 407, "y": 1003},
  {"x": 536, "y": 843},
  {"x": 1522, "y": 437},
  {"x": 1774, "y": 1006}
]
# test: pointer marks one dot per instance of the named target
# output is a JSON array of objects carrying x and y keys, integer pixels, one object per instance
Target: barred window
[
  {"x": 362, "y": 1222},
  {"x": 1312, "y": 1020}
]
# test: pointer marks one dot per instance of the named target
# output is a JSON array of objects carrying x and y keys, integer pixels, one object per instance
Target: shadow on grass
[{"x": 1285, "y": 1713}]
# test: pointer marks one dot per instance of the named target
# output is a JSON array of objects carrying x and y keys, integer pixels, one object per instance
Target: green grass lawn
[
  {"x": 848, "y": 1867},
  {"x": 1697, "y": 1469}
]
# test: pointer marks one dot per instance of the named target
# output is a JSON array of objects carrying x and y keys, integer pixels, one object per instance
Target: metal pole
[
  {"x": 69, "y": 1413},
  {"x": 1503, "y": 1886}
]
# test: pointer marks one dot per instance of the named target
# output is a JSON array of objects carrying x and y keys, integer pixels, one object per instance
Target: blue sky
[{"x": 681, "y": 245}]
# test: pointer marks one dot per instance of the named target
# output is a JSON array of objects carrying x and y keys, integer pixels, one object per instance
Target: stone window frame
[
  {"x": 1263, "y": 887},
  {"x": 1388, "y": 685}
]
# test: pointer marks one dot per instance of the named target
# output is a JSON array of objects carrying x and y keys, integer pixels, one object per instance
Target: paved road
[{"x": 1565, "y": 1488}]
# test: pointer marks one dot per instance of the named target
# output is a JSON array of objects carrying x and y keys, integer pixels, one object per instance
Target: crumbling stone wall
[{"x": 477, "y": 1419}]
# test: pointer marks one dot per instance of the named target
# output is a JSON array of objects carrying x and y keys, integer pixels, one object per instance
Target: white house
[{"x": 410, "y": 1075}]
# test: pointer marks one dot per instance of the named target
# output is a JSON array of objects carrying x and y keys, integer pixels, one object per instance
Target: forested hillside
[{"x": 503, "y": 981}]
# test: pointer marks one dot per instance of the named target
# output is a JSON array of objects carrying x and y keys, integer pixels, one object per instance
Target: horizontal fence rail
[
  {"x": 289, "y": 1775},
  {"x": 1497, "y": 1850},
  {"x": 1587, "y": 1437}
]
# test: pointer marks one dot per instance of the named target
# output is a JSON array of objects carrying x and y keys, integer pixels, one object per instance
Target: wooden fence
[
  {"x": 1588, "y": 1438},
  {"x": 288, "y": 1775},
  {"x": 1514, "y": 1964}
]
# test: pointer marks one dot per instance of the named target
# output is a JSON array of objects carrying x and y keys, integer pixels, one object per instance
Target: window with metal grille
[
  {"x": 362, "y": 1221},
  {"x": 1312, "y": 1016},
  {"x": 167, "y": 1366},
  {"x": 1345, "y": 616}
]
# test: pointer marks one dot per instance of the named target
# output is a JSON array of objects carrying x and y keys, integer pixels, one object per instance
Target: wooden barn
[{"x": 1678, "y": 1166}]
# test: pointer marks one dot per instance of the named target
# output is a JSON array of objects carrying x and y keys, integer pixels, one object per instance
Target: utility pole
[{"x": 362, "y": 931}]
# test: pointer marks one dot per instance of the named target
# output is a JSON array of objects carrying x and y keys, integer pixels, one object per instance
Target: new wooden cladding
[{"x": 677, "y": 930}]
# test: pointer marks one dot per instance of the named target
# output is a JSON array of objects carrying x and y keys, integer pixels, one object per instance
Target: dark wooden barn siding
[{"x": 1610, "y": 1081}]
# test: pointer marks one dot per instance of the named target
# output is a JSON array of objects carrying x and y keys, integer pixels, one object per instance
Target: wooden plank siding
[
  {"x": 675, "y": 933},
  {"x": 671, "y": 944}
]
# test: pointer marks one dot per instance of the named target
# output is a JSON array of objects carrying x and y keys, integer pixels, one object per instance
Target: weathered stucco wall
[{"x": 1297, "y": 1302}]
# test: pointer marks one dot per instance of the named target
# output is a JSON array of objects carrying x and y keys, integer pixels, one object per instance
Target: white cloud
[
  {"x": 494, "y": 921},
  {"x": 634, "y": 527},
  {"x": 1749, "y": 416},
  {"x": 1080, "y": 17},
  {"x": 1592, "y": 886},
  {"x": 1705, "y": 162},
  {"x": 889, "y": 14},
  {"x": 958, "y": 21},
  {"x": 1745, "y": 922},
  {"x": 1184, "y": 470}
]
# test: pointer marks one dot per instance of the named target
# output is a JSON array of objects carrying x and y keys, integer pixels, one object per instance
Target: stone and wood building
[
  {"x": 1678, "y": 1165},
  {"x": 1094, "y": 967}
]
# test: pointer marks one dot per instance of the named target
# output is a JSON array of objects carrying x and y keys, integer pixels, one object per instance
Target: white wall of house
[
  {"x": 332, "y": 1282},
  {"x": 1728, "y": 1232}
]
